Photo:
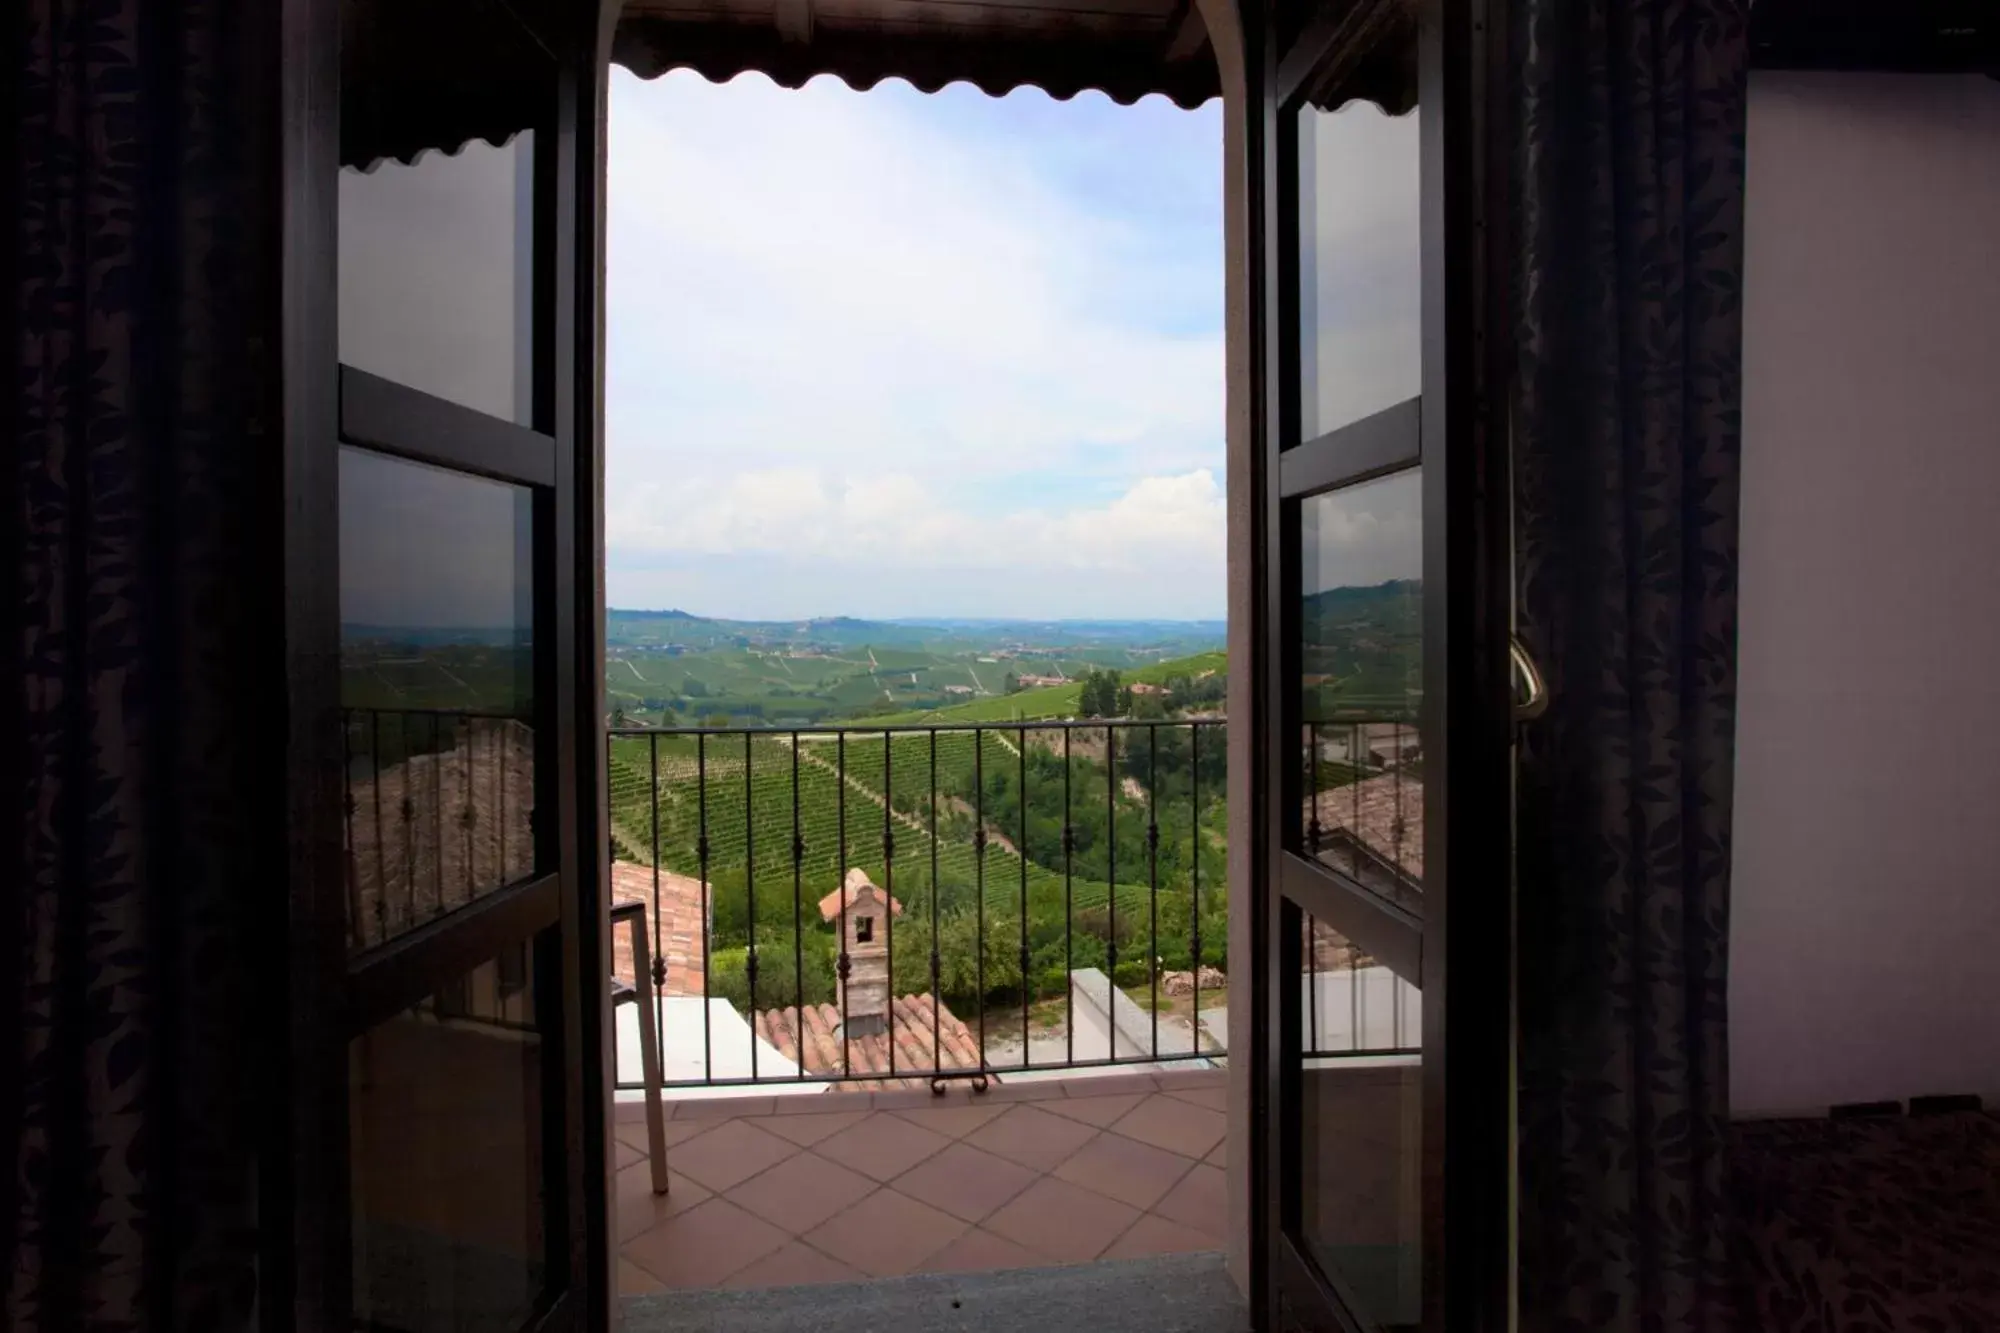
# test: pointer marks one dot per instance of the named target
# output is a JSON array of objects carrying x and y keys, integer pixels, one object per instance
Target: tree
[
  {"x": 1012, "y": 684},
  {"x": 694, "y": 689},
  {"x": 1099, "y": 696},
  {"x": 618, "y": 717}
]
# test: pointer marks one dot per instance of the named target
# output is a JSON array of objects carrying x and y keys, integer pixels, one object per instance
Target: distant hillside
[{"x": 1053, "y": 701}]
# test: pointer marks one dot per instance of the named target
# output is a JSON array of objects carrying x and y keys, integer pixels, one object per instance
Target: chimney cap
[{"x": 854, "y": 887}]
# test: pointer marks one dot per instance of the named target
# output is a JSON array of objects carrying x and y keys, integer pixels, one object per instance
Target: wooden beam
[
  {"x": 794, "y": 20},
  {"x": 1190, "y": 35}
]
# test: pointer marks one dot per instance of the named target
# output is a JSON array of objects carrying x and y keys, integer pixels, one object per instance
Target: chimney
[{"x": 862, "y": 911}]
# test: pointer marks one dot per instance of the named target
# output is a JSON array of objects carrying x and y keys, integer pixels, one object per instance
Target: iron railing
[{"x": 1032, "y": 860}]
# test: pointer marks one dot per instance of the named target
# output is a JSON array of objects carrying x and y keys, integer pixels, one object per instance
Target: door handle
[{"x": 1535, "y": 702}]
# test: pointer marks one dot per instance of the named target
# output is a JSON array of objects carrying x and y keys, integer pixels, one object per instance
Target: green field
[{"x": 1054, "y": 701}]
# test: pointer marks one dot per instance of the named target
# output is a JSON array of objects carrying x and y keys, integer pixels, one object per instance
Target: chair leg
[{"x": 649, "y": 1056}]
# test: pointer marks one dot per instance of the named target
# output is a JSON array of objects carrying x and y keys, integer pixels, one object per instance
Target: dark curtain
[
  {"x": 1629, "y": 166},
  {"x": 134, "y": 648}
]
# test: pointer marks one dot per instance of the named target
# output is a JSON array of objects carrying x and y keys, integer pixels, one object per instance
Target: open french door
[
  {"x": 446, "y": 1125},
  {"x": 1384, "y": 977}
]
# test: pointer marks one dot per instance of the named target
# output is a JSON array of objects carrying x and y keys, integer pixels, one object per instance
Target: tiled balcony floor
[{"x": 770, "y": 1191}]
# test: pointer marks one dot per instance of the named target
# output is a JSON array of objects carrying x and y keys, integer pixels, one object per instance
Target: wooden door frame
[
  {"x": 305, "y": 1241},
  {"x": 1467, "y": 1139}
]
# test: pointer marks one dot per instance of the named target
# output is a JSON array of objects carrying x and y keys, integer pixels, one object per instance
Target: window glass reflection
[
  {"x": 1358, "y": 1150},
  {"x": 437, "y": 274},
  {"x": 445, "y": 1124},
  {"x": 1360, "y": 298},
  {"x": 1361, "y": 682},
  {"x": 437, "y": 681}
]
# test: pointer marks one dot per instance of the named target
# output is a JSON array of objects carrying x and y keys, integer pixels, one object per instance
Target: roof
[
  {"x": 428, "y": 834},
  {"x": 679, "y": 930},
  {"x": 857, "y": 880},
  {"x": 811, "y": 1036},
  {"x": 1384, "y": 814},
  {"x": 436, "y": 76}
]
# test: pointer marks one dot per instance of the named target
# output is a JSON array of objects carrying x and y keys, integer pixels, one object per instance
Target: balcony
[{"x": 924, "y": 1000}]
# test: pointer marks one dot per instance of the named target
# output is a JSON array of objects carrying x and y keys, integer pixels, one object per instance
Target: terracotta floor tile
[
  {"x": 1215, "y": 1099},
  {"x": 719, "y": 1108},
  {"x": 886, "y": 1234},
  {"x": 1062, "y": 1221},
  {"x": 1125, "y": 1170},
  {"x": 1034, "y": 1090},
  {"x": 636, "y": 1281},
  {"x": 730, "y": 1154},
  {"x": 1170, "y": 1123},
  {"x": 1031, "y": 1136},
  {"x": 965, "y": 1182},
  {"x": 1219, "y": 1154},
  {"x": 791, "y": 1266},
  {"x": 639, "y": 1210},
  {"x": 1200, "y": 1201},
  {"x": 801, "y": 1192},
  {"x": 980, "y": 1251},
  {"x": 676, "y": 1131},
  {"x": 881, "y": 1146},
  {"x": 806, "y": 1130},
  {"x": 821, "y": 1103},
  {"x": 1098, "y": 1111},
  {"x": 1173, "y": 1079},
  {"x": 951, "y": 1121},
  {"x": 704, "y": 1245},
  {"x": 1112, "y": 1085},
  {"x": 1156, "y": 1235},
  {"x": 624, "y": 1154}
]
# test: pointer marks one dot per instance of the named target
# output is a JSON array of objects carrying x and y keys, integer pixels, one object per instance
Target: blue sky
[{"x": 889, "y": 354}]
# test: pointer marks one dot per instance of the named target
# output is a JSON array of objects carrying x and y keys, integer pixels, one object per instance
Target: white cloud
[{"x": 843, "y": 331}]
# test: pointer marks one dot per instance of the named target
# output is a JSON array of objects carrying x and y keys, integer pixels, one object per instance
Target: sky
[{"x": 886, "y": 354}]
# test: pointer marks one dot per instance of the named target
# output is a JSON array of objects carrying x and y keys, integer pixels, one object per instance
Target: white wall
[{"x": 1865, "y": 941}]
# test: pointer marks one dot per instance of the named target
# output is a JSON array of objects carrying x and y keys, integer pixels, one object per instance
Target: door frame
[
  {"x": 1467, "y": 1137},
  {"x": 305, "y": 1240}
]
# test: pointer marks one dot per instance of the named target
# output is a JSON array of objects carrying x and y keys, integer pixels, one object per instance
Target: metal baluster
[
  {"x": 469, "y": 817},
  {"x": 1360, "y": 1018},
  {"x": 408, "y": 809},
  {"x": 1153, "y": 873},
  {"x": 1358, "y": 747},
  {"x": 840, "y": 875},
  {"x": 1069, "y": 924},
  {"x": 498, "y": 732},
  {"x": 381, "y": 836},
  {"x": 1313, "y": 826},
  {"x": 1312, "y": 983},
  {"x": 889, "y": 889},
  {"x": 1021, "y": 754},
  {"x": 347, "y": 804},
  {"x": 1194, "y": 870},
  {"x": 437, "y": 809},
  {"x": 750, "y": 893},
  {"x": 1111, "y": 878},
  {"x": 658, "y": 979},
  {"x": 937, "y": 995},
  {"x": 701, "y": 854},
  {"x": 798, "y": 929},
  {"x": 979, "y": 886}
]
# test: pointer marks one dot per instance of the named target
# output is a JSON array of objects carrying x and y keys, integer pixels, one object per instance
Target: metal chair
[{"x": 633, "y": 915}]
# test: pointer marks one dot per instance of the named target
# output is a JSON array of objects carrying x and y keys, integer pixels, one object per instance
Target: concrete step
[{"x": 1189, "y": 1293}]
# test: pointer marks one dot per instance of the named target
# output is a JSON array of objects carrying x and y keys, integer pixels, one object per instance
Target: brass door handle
[{"x": 1536, "y": 702}]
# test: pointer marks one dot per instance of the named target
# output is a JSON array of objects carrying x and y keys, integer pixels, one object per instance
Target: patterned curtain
[
  {"x": 1629, "y": 165},
  {"x": 137, "y": 744}
]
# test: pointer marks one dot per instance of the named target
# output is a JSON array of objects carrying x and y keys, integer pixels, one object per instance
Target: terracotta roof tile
[
  {"x": 679, "y": 934},
  {"x": 816, "y": 1029}
]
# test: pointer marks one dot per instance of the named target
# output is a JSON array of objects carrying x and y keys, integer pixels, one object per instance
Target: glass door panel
[
  {"x": 437, "y": 666},
  {"x": 1359, "y": 289},
  {"x": 1360, "y": 652},
  {"x": 446, "y": 1119},
  {"x": 1359, "y": 1143}
]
